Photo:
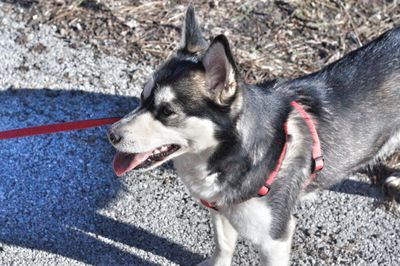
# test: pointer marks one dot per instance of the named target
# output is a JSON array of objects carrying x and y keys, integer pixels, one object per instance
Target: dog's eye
[{"x": 166, "y": 110}]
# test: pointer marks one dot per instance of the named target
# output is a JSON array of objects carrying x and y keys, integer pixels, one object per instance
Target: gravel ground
[{"x": 61, "y": 204}]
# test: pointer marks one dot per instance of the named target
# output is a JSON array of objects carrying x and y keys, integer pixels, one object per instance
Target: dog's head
[{"x": 185, "y": 105}]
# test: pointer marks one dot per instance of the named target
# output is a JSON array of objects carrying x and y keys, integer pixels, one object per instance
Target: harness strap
[
  {"x": 317, "y": 157},
  {"x": 267, "y": 186}
]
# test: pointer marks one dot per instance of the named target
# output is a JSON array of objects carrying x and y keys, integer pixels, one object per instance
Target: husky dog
[{"x": 226, "y": 137}]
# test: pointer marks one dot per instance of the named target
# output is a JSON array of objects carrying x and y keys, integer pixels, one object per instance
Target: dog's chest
[
  {"x": 252, "y": 219},
  {"x": 192, "y": 169}
]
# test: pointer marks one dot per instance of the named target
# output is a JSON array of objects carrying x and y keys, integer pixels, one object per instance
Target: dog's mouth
[{"x": 124, "y": 162}]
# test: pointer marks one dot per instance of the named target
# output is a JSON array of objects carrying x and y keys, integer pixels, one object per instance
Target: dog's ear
[
  {"x": 221, "y": 73},
  {"x": 192, "y": 41}
]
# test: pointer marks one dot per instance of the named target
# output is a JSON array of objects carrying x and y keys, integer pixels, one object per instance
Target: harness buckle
[
  {"x": 208, "y": 204},
  {"x": 317, "y": 164},
  {"x": 264, "y": 190}
]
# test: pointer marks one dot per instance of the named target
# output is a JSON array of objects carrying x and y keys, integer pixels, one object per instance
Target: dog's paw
[
  {"x": 207, "y": 262},
  {"x": 391, "y": 187}
]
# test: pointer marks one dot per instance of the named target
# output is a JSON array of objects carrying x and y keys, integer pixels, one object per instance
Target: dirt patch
[{"x": 269, "y": 38}]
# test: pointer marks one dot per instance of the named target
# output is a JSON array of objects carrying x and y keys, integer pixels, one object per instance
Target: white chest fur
[
  {"x": 251, "y": 219},
  {"x": 192, "y": 169}
]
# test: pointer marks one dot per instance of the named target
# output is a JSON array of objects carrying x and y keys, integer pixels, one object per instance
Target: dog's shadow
[
  {"x": 359, "y": 187},
  {"x": 52, "y": 187}
]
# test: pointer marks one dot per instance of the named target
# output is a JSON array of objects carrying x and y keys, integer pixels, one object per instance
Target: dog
[{"x": 249, "y": 152}]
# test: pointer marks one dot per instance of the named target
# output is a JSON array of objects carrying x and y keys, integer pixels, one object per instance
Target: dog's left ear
[
  {"x": 192, "y": 40},
  {"x": 221, "y": 72}
]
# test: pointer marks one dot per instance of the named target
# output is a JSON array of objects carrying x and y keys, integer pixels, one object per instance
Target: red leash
[{"x": 53, "y": 128}]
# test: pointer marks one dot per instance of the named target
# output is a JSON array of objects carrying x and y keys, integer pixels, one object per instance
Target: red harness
[{"x": 317, "y": 158}]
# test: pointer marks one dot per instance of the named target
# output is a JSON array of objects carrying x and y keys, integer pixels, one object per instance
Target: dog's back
[{"x": 359, "y": 103}]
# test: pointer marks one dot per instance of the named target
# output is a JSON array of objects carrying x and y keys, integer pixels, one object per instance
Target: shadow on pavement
[
  {"x": 51, "y": 187},
  {"x": 357, "y": 187}
]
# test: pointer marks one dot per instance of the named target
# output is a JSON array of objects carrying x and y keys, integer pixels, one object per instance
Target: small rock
[
  {"x": 131, "y": 23},
  {"x": 39, "y": 48}
]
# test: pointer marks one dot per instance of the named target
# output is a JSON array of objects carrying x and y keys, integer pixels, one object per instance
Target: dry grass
[{"x": 269, "y": 38}]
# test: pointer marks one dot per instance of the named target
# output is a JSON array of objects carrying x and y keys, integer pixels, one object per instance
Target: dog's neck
[
  {"x": 192, "y": 168},
  {"x": 246, "y": 162},
  {"x": 247, "y": 152}
]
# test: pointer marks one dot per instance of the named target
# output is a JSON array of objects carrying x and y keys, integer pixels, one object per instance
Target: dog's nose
[{"x": 114, "y": 137}]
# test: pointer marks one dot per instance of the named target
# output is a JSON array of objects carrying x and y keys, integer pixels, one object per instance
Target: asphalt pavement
[{"x": 61, "y": 204}]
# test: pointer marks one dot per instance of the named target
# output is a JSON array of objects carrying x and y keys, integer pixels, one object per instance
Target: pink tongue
[{"x": 124, "y": 162}]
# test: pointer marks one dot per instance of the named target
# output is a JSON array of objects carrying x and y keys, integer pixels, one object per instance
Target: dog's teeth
[{"x": 164, "y": 148}]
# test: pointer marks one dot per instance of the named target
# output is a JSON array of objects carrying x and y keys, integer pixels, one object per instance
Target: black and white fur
[{"x": 231, "y": 134}]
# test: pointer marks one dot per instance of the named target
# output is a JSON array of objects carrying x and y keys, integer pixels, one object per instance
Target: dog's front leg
[
  {"x": 276, "y": 252},
  {"x": 225, "y": 241}
]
